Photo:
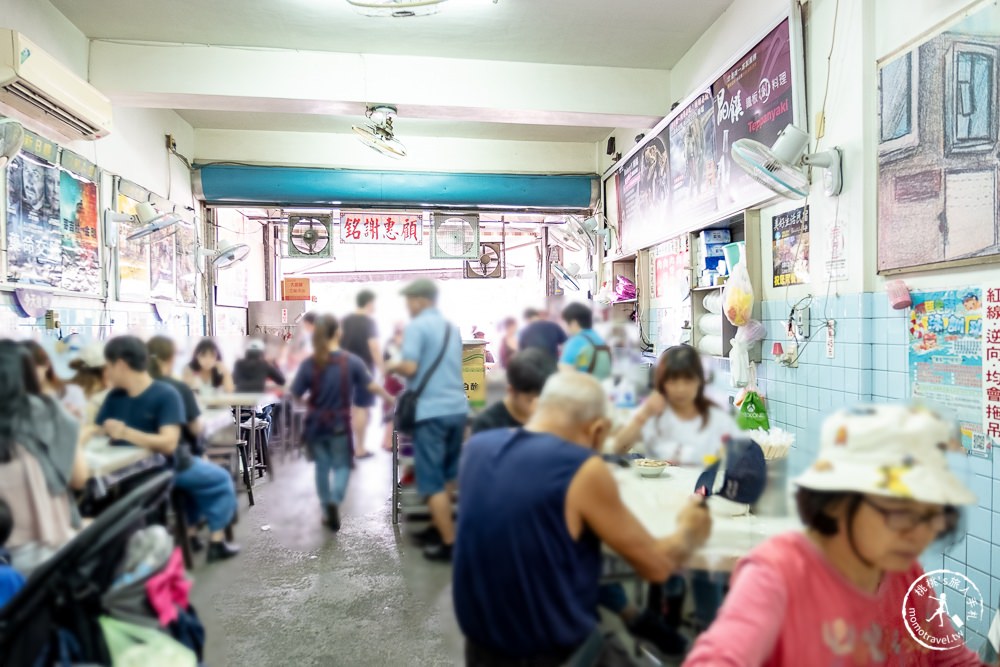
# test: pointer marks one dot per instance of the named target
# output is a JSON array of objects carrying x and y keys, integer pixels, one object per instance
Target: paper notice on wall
[
  {"x": 991, "y": 366},
  {"x": 836, "y": 253}
]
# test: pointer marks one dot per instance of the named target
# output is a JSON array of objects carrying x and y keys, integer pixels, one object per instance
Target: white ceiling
[
  {"x": 405, "y": 127},
  {"x": 650, "y": 34}
]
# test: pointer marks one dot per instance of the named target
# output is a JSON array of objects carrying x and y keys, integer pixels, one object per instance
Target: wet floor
[{"x": 301, "y": 595}]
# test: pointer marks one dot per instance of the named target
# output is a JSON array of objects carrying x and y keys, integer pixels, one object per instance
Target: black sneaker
[
  {"x": 427, "y": 536},
  {"x": 650, "y": 627},
  {"x": 333, "y": 517},
  {"x": 221, "y": 551},
  {"x": 438, "y": 552},
  {"x": 197, "y": 544}
]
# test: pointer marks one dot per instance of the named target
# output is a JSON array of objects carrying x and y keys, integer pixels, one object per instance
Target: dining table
[{"x": 236, "y": 402}]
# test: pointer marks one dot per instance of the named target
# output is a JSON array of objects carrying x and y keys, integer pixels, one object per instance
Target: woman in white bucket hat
[{"x": 849, "y": 589}]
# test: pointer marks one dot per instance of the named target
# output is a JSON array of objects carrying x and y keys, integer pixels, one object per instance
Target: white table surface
[
  {"x": 656, "y": 503},
  {"x": 246, "y": 400},
  {"x": 104, "y": 459},
  {"x": 216, "y": 420}
]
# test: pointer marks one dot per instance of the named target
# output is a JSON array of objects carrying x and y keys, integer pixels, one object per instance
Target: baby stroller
[{"x": 54, "y": 618}]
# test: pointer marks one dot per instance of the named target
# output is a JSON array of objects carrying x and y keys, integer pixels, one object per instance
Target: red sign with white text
[{"x": 382, "y": 228}]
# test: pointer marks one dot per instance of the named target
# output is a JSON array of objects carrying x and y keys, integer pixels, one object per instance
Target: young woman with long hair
[
  {"x": 329, "y": 378},
  {"x": 207, "y": 370},
  {"x": 68, "y": 395}
]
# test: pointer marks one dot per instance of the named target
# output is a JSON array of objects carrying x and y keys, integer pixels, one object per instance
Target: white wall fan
[
  {"x": 784, "y": 167},
  {"x": 378, "y": 134},
  {"x": 570, "y": 276},
  {"x": 490, "y": 263},
  {"x": 155, "y": 226},
  {"x": 309, "y": 235},
  {"x": 223, "y": 259},
  {"x": 455, "y": 236},
  {"x": 579, "y": 235},
  {"x": 11, "y": 140}
]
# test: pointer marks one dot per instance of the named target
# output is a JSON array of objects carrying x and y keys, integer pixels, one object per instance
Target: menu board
[
  {"x": 685, "y": 173},
  {"x": 946, "y": 358}
]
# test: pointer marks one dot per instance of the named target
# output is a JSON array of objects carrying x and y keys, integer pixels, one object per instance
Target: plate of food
[{"x": 651, "y": 467}]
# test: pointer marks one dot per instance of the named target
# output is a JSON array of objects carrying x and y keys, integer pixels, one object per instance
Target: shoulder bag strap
[
  {"x": 597, "y": 349},
  {"x": 437, "y": 362}
]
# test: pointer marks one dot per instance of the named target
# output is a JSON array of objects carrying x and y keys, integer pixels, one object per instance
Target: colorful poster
[
  {"x": 133, "y": 258},
  {"x": 34, "y": 231},
  {"x": 671, "y": 288},
  {"x": 753, "y": 100},
  {"x": 791, "y": 247},
  {"x": 946, "y": 359},
  {"x": 187, "y": 272},
  {"x": 162, "y": 261},
  {"x": 692, "y": 158},
  {"x": 644, "y": 191},
  {"x": 991, "y": 366},
  {"x": 81, "y": 264}
]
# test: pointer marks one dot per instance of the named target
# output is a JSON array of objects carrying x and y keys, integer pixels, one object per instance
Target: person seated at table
[
  {"x": 207, "y": 370},
  {"x": 11, "y": 581},
  {"x": 69, "y": 396},
  {"x": 40, "y": 462},
  {"x": 527, "y": 372},
  {"x": 536, "y": 505},
  {"x": 585, "y": 351},
  {"x": 91, "y": 377},
  {"x": 879, "y": 493},
  {"x": 678, "y": 423},
  {"x": 150, "y": 414},
  {"x": 251, "y": 373}
]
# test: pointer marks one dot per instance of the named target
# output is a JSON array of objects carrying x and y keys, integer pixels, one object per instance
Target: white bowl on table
[{"x": 651, "y": 467}]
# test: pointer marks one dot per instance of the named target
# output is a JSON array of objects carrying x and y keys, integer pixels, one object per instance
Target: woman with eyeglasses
[{"x": 849, "y": 590}]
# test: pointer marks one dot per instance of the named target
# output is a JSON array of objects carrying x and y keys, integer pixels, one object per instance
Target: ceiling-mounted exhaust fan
[{"x": 378, "y": 134}]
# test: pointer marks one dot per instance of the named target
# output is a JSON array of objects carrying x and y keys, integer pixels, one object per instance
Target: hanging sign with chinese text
[
  {"x": 991, "y": 366},
  {"x": 381, "y": 228}
]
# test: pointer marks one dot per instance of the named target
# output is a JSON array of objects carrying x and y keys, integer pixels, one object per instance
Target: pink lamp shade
[
  {"x": 777, "y": 350},
  {"x": 898, "y": 294}
]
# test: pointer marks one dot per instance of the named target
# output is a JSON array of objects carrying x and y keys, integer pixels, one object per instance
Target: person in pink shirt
[{"x": 849, "y": 589}]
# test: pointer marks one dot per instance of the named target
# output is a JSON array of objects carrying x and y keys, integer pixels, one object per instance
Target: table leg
[{"x": 395, "y": 478}]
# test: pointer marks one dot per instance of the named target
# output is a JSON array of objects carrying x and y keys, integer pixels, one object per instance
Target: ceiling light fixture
[{"x": 396, "y": 8}]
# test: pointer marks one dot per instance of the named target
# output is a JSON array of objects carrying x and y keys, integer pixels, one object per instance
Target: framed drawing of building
[{"x": 937, "y": 150}]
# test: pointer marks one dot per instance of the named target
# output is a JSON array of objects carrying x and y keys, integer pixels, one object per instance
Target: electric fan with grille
[
  {"x": 455, "y": 237},
  {"x": 783, "y": 168},
  {"x": 570, "y": 276},
  {"x": 490, "y": 263},
  {"x": 378, "y": 134},
  {"x": 572, "y": 235},
  {"x": 11, "y": 140},
  {"x": 309, "y": 236},
  {"x": 224, "y": 258}
]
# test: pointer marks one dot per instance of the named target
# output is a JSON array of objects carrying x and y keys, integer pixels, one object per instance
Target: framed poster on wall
[
  {"x": 187, "y": 270},
  {"x": 133, "y": 256},
  {"x": 163, "y": 258},
  {"x": 938, "y": 130}
]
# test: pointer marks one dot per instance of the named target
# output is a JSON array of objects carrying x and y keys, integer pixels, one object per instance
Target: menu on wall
[
  {"x": 753, "y": 100},
  {"x": 946, "y": 359},
  {"x": 790, "y": 252},
  {"x": 991, "y": 367},
  {"x": 686, "y": 171}
]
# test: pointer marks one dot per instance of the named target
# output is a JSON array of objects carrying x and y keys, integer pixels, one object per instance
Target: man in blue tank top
[{"x": 536, "y": 505}]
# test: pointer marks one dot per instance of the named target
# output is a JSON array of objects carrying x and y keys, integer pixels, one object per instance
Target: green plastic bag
[
  {"x": 753, "y": 414},
  {"x": 132, "y": 645}
]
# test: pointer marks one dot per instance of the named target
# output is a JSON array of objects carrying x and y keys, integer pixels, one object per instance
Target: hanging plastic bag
[
  {"x": 737, "y": 297},
  {"x": 739, "y": 363},
  {"x": 752, "y": 414},
  {"x": 135, "y": 646}
]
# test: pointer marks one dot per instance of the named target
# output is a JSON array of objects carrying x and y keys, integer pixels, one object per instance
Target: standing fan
[
  {"x": 378, "y": 133},
  {"x": 309, "y": 236},
  {"x": 490, "y": 263},
  {"x": 455, "y": 237},
  {"x": 782, "y": 168},
  {"x": 11, "y": 140}
]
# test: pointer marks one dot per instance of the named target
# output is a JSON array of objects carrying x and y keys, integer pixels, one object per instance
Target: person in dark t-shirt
[
  {"x": 251, "y": 373},
  {"x": 541, "y": 333},
  {"x": 526, "y": 375},
  {"x": 359, "y": 336}
]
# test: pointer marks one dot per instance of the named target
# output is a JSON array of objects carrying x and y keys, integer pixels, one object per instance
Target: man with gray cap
[{"x": 442, "y": 408}]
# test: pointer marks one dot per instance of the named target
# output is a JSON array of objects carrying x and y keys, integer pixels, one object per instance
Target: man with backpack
[{"x": 585, "y": 351}]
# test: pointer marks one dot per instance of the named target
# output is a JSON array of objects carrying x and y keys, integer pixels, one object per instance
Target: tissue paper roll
[
  {"x": 710, "y": 324},
  {"x": 713, "y": 302},
  {"x": 711, "y": 345}
]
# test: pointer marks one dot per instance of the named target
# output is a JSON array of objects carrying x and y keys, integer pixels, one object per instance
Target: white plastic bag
[
  {"x": 737, "y": 297},
  {"x": 739, "y": 363}
]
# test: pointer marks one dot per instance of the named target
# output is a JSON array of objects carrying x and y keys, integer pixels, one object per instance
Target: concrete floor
[{"x": 301, "y": 595}]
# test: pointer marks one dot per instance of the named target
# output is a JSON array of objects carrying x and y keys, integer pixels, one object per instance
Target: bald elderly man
[{"x": 536, "y": 505}]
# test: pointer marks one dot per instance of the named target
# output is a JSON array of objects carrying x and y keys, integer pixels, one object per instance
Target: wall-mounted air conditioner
[{"x": 35, "y": 84}]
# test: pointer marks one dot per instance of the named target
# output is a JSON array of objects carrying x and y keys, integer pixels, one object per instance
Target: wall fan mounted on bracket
[
  {"x": 784, "y": 167},
  {"x": 223, "y": 258},
  {"x": 309, "y": 235},
  {"x": 490, "y": 264},
  {"x": 455, "y": 236}
]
